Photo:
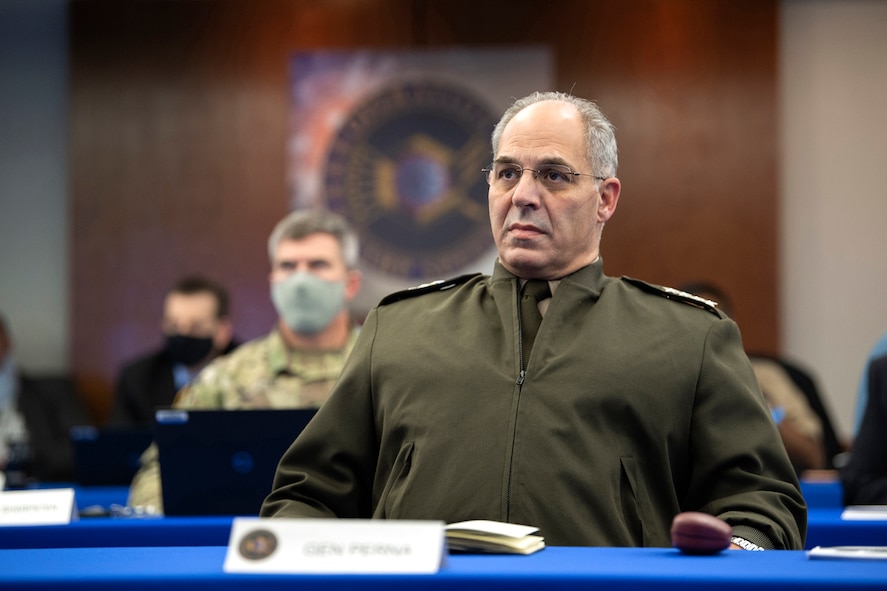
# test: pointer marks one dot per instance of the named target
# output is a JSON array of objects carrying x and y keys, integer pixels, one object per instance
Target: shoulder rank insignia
[
  {"x": 675, "y": 294},
  {"x": 439, "y": 285}
]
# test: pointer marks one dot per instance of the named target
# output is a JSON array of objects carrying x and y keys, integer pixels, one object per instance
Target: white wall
[
  {"x": 834, "y": 189},
  {"x": 33, "y": 180},
  {"x": 834, "y": 185}
]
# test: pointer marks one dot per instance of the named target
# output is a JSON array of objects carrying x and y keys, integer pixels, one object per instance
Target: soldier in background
[
  {"x": 196, "y": 328},
  {"x": 595, "y": 408},
  {"x": 313, "y": 279}
]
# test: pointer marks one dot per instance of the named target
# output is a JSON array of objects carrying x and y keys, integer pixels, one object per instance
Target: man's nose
[{"x": 527, "y": 192}]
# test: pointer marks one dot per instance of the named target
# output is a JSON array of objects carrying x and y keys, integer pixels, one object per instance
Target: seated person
[
  {"x": 878, "y": 350},
  {"x": 36, "y": 416},
  {"x": 864, "y": 478},
  {"x": 313, "y": 278},
  {"x": 631, "y": 403},
  {"x": 197, "y": 328},
  {"x": 13, "y": 432},
  {"x": 799, "y": 427}
]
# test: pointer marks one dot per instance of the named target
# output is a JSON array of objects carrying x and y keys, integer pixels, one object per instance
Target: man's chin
[{"x": 525, "y": 264}]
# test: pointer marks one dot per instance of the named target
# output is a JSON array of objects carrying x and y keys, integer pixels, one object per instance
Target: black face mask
[{"x": 188, "y": 350}]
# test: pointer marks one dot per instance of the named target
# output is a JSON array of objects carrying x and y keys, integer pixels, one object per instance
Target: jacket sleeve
[
  {"x": 145, "y": 491},
  {"x": 328, "y": 471},
  {"x": 741, "y": 472}
]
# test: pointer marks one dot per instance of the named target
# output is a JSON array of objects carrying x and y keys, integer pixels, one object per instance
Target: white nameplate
[
  {"x": 334, "y": 546},
  {"x": 50, "y": 506},
  {"x": 864, "y": 513}
]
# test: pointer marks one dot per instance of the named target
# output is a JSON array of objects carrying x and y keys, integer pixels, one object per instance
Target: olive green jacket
[{"x": 637, "y": 404}]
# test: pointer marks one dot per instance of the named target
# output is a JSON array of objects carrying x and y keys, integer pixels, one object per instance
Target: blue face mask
[{"x": 307, "y": 303}]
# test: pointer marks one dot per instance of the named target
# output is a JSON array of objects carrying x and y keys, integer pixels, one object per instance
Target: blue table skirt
[{"x": 198, "y": 568}]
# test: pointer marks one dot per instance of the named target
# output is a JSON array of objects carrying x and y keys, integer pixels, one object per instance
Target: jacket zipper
[
  {"x": 522, "y": 372},
  {"x": 521, "y": 378}
]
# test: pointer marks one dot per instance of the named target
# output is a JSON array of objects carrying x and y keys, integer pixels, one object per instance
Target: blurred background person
[
  {"x": 196, "y": 327},
  {"x": 878, "y": 350},
  {"x": 314, "y": 277},
  {"x": 864, "y": 478},
  {"x": 36, "y": 416},
  {"x": 13, "y": 432}
]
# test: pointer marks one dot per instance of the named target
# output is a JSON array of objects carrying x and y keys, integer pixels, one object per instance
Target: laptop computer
[
  {"x": 222, "y": 462},
  {"x": 107, "y": 456}
]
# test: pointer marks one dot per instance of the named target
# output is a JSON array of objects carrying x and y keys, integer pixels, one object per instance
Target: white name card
[
  {"x": 864, "y": 513},
  {"x": 334, "y": 546},
  {"x": 50, "y": 506}
]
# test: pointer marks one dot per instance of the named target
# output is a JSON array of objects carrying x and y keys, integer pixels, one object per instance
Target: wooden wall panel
[{"x": 178, "y": 124}]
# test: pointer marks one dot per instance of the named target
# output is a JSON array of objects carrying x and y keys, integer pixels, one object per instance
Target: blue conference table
[
  {"x": 825, "y": 528},
  {"x": 101, "y": 497},
  {"x": 818, "y": 494},
  {"x": 560, "y": 568}
]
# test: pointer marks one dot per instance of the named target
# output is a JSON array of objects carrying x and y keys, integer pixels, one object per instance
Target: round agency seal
[
  {"x": 258, "y": 544},
  {"x": 404, "y": 168}
]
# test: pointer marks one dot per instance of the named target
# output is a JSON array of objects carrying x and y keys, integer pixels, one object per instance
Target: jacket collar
[{"x": 590, "y": 278}]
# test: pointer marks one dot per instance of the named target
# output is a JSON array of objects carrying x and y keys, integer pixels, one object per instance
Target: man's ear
[
  {"x": 224, "y": 334},
  {"x": 609, "y": 190},
  {"x": 352, "y": 284}
]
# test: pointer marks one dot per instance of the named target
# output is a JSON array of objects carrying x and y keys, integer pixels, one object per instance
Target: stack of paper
[{"x": 493, "y": 537}]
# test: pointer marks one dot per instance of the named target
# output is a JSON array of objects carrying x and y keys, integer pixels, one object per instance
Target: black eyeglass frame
[{"x": 560, "y": 168}]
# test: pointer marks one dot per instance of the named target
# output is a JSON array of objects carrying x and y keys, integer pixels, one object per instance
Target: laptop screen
[
  {"x": 222, "y": 462},
  {"x": 107, "y": 456}
]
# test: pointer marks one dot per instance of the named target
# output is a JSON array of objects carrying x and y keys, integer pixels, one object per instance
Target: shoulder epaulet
[
  {"x": 675, "y": 294},
  {"x": 418, "y": 290}
]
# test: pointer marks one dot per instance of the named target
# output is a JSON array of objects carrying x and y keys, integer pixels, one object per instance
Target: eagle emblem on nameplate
[{"x": 404, "y": 168}]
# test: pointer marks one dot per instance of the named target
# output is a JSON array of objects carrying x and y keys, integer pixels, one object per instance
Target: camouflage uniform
[{"x": 262, "y": 373}]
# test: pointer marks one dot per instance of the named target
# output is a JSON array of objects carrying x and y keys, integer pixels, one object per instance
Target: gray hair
[
  {"x": 600, "y": 139},
  {"x": 304, "y": 222}
]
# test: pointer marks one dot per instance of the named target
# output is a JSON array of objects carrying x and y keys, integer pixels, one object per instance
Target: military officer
[{"x": 632, "y": 403}]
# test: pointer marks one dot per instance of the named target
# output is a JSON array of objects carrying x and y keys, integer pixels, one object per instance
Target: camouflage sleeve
[{"x": 145, "y": 492}]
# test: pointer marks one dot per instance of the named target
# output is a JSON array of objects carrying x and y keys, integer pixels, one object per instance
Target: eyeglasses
[{"x": 503, "y": 176}]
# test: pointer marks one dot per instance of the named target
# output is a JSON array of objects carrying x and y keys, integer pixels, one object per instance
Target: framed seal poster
[{"x": 394, "y": 141}]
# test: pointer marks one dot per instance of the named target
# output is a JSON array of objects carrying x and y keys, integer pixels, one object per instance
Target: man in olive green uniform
[
  {"x": 313, "y": 277},
  {"x": 633, "y": 403}
]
